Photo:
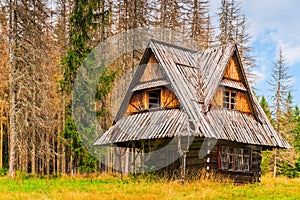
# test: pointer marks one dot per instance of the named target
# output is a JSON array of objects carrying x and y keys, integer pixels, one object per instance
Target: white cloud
[
  {"x": 273, "y": 24},
  {"x": 275, "y": 14},
  {"x": 260, "y": 76},
  {"x": 291, "y": 52},
  {"x": 282, "y": 18},
  {"x": 292, "y": 80}
]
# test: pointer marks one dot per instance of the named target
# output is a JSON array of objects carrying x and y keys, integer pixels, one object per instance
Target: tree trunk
[
  {"x": 275, "y": 163},
  {"x": 12, "y": 92},
  {"x": 33, "y": 160},
  {"x": 1, "y": 141}
]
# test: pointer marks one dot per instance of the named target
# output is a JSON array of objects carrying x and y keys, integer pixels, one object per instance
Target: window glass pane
[
  {"x": 229, "y": 99},
  {"x": 154, "y": 99},
  {"x": 246, "y": 159},
  {"x": 232, "y": 100},
  {"x": 239, "y": 160},
  {"x": 231, "y": 159},
  {"x": 226, "y": 99},
  {"x": 235, "y": 159},
  {"x": 224, "y": 157}
]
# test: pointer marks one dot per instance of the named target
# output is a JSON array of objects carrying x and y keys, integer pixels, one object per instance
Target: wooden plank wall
[
  {"x": 243, "y": 102},
  {"x": 152, "y": 70},
  {"x": 242, "y": 177},
  {"x": 231, "y": 71},
  {"x": 168, "y": 157},
  {"x": 217, "y": 101},
  {"x": 168, "y": 99},
  {"x": 137, "y": 102},
  {"x": 192, "y": 157}
]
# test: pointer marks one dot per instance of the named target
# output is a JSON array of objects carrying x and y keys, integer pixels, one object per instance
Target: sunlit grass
[{"x": 110, "y": 187}]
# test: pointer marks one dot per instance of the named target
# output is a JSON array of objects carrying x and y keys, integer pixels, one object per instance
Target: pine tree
[
  {"x": 289, "y": 121},
  {"x": 29, "y": 38},
  {"x": 296, "y": 132}
]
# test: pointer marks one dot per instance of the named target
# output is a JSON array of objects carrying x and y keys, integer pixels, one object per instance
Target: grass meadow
[{"x": 110, "y": 187}]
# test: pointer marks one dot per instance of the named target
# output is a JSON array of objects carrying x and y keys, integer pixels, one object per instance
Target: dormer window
[
  {"x": 229, "y": 99},
  {"x": 154, "y": 99}
]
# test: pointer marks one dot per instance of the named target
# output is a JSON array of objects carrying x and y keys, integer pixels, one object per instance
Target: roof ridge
[
  {"x": 173, "y": 45},
  {"x": 209, "y": 49}
]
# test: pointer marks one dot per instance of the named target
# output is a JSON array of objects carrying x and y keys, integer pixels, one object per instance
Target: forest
[{"x": 44, "y": 43}]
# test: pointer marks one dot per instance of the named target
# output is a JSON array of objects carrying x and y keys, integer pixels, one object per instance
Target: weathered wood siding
[
  {"x": 232, "y": 70},
  {"x": 152, "y": 70},
  {"x": 192, "y": 158},
  {"x": 137, "y": 102},
  {"x": 202, "y": 156},
  {"x": 253, "y": 175},
  {"x": 140, "y": 102},
  {"x": 168, "y": 99},
  {"x": 243, "y": 102}
]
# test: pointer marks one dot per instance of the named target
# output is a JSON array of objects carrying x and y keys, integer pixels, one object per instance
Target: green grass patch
[{"x": 110, "y": 187}]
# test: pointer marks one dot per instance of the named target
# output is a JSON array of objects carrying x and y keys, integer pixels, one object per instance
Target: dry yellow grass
[{"x": 109, "y": 187}]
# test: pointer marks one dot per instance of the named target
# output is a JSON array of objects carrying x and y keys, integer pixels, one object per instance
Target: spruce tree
[
  {"x": 88, "y": 17},
  {"x": 280, "y": 88},
  {"x": 84, "y": 20},
  {"x": 265, "y": 106}
]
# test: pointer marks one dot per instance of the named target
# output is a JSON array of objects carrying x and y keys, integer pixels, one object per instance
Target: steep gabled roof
[{"x": 182, "y": 68}]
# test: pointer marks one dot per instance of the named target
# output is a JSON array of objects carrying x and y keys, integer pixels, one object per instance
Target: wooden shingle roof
[
  {"x": 181, "y": 68},
  {"x": 148, "y": 125}
]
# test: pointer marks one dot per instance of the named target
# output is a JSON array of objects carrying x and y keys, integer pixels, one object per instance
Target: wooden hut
[{"x": 200, "y": 105}]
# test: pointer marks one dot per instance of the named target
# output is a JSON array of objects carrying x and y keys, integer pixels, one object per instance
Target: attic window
[
  {"x": 235, "y": 158},
  {"x": 154, "y": 99},
  {"x": 229, "y": 99}
]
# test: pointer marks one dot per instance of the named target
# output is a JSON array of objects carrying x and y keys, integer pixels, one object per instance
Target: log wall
[
  {"x": 208, "y": 159},
  {"x": 203, "y": 156}
]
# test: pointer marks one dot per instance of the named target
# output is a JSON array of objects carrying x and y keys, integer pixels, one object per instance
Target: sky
[{"x": 273, "y": 24}]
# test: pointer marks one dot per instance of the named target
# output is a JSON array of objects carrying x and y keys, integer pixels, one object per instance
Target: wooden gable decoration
[
  {"x": 232, "y": 70},
  {"x": 152, "y": 70},
  {"x": 233, "y": 90},
  {"x": 152, "y": 80}
]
